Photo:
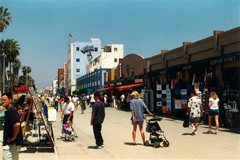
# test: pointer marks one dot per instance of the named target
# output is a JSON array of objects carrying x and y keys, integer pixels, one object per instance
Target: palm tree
[
  {"x": 11, "y": 49},
  {"x": 26, "y": 70},
  {"x": 16, "y": 66},
  {"x": 5, "y": 18}
]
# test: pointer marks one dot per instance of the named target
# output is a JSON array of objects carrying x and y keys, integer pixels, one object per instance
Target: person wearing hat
[{"x": 44, "y": 106}]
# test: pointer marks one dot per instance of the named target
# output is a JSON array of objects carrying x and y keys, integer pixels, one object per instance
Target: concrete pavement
[{"x": 117, "y": 131}]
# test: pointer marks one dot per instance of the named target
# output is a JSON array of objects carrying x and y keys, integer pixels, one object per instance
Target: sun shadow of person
[
  {"x": 131, "y": 143},
  {"x": 187, "y": 134}
]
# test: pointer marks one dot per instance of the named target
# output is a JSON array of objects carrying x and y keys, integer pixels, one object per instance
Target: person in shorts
[
  {"x": 137, "y": 107},
  {"x": 213, "y": 104},
  {"x": 194, "y": 111}
]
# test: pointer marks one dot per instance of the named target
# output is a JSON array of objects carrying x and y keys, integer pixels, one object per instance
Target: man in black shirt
[
  {"x": 12, "y": 136},
  {"x": 98, "y": 115}
]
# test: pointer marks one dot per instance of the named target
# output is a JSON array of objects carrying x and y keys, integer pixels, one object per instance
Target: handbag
[{"x": 186, "y": 122}]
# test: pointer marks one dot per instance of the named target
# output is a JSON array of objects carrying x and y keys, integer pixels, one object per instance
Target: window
[
  {"x": 78, "y": 60},
  {"x": 115, "y": 49},
  {"x": 115, "y": 59},
  {"x": 95, "y": 49},
  {"x": 77, "y": 70},
  {"x": 77, "y": 48}
]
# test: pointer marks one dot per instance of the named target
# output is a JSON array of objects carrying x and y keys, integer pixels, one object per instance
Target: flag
[{"x": 70, "y": 35}]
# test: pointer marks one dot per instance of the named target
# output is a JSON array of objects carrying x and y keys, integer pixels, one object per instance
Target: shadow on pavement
[
  {"x": 132, "y": 144},
  {"x": 32, "y": 147},
  {"x": 92, "y": 147},
  {"x": 187, "y": 134},
  {"x": 36, "y": 149}
]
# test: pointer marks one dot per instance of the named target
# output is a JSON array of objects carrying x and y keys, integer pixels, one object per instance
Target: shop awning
[
  {"x": 128, "y": 87},
  {"x": 104, "y": 89}
]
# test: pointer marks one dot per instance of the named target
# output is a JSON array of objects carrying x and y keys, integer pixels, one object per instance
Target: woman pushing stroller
[{"x": 137, "y": 107}]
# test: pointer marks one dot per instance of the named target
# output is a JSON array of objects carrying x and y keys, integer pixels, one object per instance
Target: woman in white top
[{"x": 213, "y": 104}]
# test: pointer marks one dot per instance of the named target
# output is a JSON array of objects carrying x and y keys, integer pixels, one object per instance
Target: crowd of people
[{"x": 16, "y": 113}]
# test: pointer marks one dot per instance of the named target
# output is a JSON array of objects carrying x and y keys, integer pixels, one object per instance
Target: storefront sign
[
  {"x": 120, "y": 69},
  {"x": 21, "y": 89},
  {"x": 138, "y": 80},
  {"x": 224, "y": 60},
  {"x": 119, "y": 83}
]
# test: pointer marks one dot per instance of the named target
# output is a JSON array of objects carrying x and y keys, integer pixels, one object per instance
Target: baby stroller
[
  {"x": 68, "y": 132},
  {"x": 156, "y": 137}
]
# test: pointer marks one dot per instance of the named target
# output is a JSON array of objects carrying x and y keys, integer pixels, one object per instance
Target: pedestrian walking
[
  {"x": 75, "y": 101},
  {"x": 194, "y": 111},
  {"x": 92, "y": 100},
  {"x": 67, "y": 114},
  {"x": 12, "y": 136},
  {"x": 97, "y": 118},
  {"x": 213, "y": 104},
  {"x": 83, "y": 102},
  {"x": 137, "y": 107}
]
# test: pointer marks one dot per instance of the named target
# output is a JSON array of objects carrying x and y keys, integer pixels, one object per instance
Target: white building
[
  {"x": 107, "y": 58},
  {"x": 79, "y": 53}
]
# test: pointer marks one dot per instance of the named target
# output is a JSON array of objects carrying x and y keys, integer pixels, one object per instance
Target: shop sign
[
  {"x": 224, "y": 60},
  {"x": 21, "y": 89},
  {"x": 119, "y": 83},
  {"x": 120, "y": 69},
  {"x": 138, "y": 80}
]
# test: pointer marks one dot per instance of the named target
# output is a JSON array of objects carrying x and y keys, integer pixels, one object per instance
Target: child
[{"x": 68, "y": 130}]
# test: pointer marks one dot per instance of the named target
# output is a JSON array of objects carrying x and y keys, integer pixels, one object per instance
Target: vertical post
[{"x": 4, "y": 73}]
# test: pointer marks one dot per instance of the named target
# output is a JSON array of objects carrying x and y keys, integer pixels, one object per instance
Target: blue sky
[{"x": 144, "y": 27}]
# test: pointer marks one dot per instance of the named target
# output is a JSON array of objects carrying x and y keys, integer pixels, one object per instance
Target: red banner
[{"x": 22, "y": 89}]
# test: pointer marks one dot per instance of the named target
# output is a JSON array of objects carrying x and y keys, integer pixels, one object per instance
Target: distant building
[
  {"x": 79, "y": 54},
  {"x": 60, "y": 78},
  {"x": 108, "y": 58},
  {"x": 54, "y": 86}
]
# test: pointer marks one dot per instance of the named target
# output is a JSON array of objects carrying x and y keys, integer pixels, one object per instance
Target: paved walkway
[{"x": 117, "y": 140}]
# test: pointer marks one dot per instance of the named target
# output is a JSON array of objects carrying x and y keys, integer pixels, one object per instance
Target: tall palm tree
[
  {"x": 26, "y": 70},
  {"x": 16, "y": 66},
  {"x": 11, "y": 49},
  {"x": 5, "y": 18}
]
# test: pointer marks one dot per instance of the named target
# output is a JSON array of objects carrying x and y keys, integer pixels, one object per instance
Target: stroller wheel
[
  {"x": 165, "y": 143},
  {"x": 155, "y": 144},
  {"x": 146, "y": 143}
]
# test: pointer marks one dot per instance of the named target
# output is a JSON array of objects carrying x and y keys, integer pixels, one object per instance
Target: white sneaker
[{"x": 194, "y": 132}]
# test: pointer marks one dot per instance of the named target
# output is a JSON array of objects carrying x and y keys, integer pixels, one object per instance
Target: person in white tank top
[{"x": 213, "y": 104}]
